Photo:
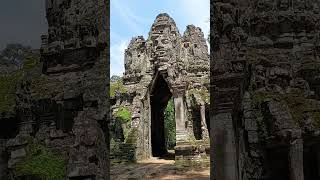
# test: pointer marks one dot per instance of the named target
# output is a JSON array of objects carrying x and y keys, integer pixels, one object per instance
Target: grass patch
[{"x": 42, "y": 162}]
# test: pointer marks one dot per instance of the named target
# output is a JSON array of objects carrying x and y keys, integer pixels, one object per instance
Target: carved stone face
[
  {"x": 316, "y": 8},
  {"x": 284, "y": 4},
  {"x": 162, "y": 47},
  {"x": 52, "y": 34},
  {"x": 163, "y": 36},
  {"x": 267, "y": 5},
  {"x": 68, "y": 34},
  {"x": 260, "y": 5},
  {"x": 298, "y": 4}
]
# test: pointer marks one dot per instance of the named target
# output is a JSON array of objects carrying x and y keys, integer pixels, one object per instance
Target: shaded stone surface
[
  {"x": 265, "y": 60},
  {"x": 61, "y": 94}
]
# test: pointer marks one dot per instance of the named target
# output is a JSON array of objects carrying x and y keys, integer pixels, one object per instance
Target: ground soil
[{"x": 157, "y": 168}]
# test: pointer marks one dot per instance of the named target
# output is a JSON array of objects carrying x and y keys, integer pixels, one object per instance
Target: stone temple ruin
[
  {"x": 266, "y": 88},
  {"x": 57, "y": 106},
  {"x": 163, "y": 66}
]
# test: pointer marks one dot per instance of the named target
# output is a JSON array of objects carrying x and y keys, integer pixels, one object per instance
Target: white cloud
[
  {"x": 133, "y": 21},
  {"x": 117, "y": 57}
]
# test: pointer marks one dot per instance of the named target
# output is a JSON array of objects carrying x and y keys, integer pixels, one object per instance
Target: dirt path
[{"x": 156, "y": 168}]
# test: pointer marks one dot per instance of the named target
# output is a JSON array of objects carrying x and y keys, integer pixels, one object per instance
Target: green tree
[
  {"x": 116, "y": 86},
  {"x": 123, "y": 114},
  {"x": 170, "y": 124},
  {"x": 115, "y": 78}
]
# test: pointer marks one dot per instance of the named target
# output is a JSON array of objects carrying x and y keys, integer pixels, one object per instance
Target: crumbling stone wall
[
  {"x": 61, "y": 99},
  {"x": 265, "y": 87},
  {"x": 183, "y": 63}
]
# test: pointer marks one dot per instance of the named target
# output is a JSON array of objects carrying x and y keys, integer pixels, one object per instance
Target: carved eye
[{"x": 165, "y": 41}]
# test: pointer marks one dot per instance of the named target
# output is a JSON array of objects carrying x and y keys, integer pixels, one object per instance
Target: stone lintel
[{"x": 179, "y": 91}]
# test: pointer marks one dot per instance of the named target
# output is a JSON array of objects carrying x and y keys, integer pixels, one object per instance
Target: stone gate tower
[{"x": 163, "y": 66}]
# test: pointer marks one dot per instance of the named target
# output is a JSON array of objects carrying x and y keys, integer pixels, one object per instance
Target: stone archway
[
  {"x": 162, "y": 66},
  {"x": 159, "y": 97},
  {"x": 160, "y": 93}
]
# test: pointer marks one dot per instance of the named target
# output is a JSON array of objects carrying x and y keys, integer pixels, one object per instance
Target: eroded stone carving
[{"x": 62, "y": 105}]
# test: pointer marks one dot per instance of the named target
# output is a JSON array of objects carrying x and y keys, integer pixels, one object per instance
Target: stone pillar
[
  {"x": 204, "y": 127},
  {"x": 180, "y": 114},
  {"x": 223, "y": 141},
  {"x": 296, "y": 160},
  {"x": 180, "y": 118},
  {"x": 3, "y": 161}
]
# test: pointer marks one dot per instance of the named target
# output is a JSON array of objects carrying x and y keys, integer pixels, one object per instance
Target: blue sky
[{"x": 130, "y": 18}]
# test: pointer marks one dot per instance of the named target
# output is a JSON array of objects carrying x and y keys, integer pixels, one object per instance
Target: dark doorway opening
[
  {"x": 196, "y": 119},
  {"x": 311, "y": 159},
  {"x": 208, "y": 119},
  {"x": 8, "y": 130},
  {"x": 278, "y": 164},
  {"x": 160, "y": 95}
]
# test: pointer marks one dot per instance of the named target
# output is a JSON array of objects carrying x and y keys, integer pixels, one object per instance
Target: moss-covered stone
[
  {"x": 31, "y": 61},
  {"x": 123, "y": 114},
  {"x": 298, "y": 105},
  {"x": 39, "y": 87},
  {"x": 42, "y": 162},
  {"x": 132, "y": 136}
]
